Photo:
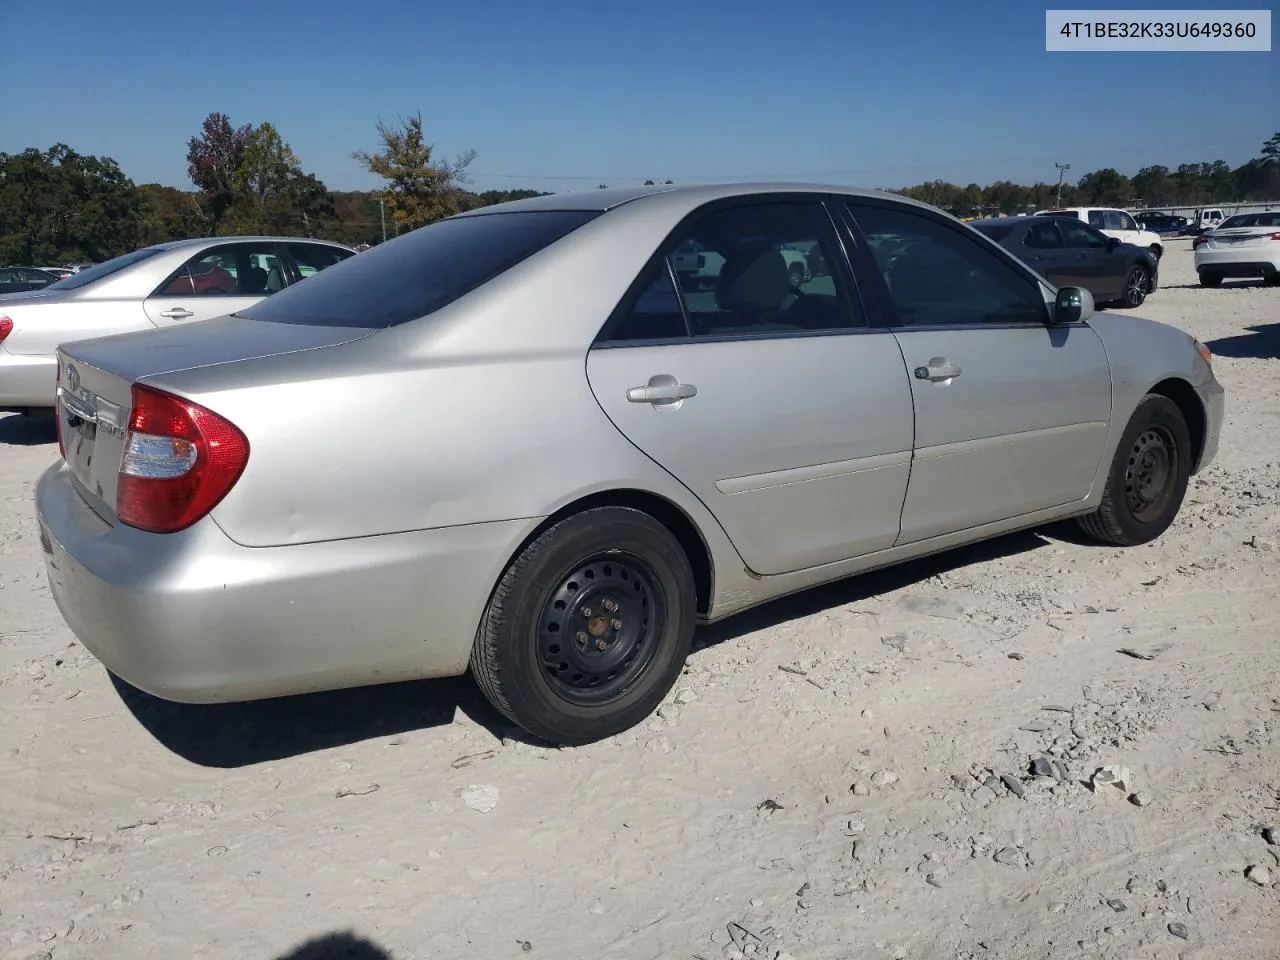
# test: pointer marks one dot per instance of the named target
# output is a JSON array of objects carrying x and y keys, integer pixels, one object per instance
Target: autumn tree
[
  {"x": 214, "y": 162},
  {"x": 419, "y": 189}
]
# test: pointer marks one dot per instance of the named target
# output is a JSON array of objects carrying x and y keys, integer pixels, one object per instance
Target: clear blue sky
[{"x": 560, "y": 94}]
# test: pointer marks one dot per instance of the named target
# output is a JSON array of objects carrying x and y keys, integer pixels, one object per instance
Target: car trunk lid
[
  {"x": 1234, "y": 238},
  {"x": 96, "y": 378}
]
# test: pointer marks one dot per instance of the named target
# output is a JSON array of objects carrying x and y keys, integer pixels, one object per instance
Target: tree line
[{"x": 61, "y": 206}]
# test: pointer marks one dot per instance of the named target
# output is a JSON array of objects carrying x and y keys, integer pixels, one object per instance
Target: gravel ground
[{"x": 848, "y": 773}]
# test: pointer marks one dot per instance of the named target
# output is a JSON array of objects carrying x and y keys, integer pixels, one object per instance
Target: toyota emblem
[{"x": 73, "y": 379}]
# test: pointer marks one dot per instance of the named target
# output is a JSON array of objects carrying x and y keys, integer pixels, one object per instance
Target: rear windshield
[
  {"x": 419, "y": 273},
  {"x": 1251, "y": 220},
  {"x": 996, "y": 231},
  {"x": 98, "y": 271}
]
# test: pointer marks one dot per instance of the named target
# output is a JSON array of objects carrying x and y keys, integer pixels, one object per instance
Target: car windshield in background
[
  {"x": 1251, "y": 220},
  {"x": 996, "y": 231},
  {"x": 97, "y": 272},
  {"x": 419, "y": 273}
]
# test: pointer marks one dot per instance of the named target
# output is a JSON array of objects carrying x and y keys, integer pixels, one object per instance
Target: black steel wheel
[
  {"x": 1135, "y": 286},
  {"x": 1148, "y": 477},
  {"x": 589, "y": 626}
]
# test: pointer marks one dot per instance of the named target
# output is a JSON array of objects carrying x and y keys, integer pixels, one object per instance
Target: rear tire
[
  {"x": 588, "y": 628},
  {"x": 1148, "y": 477},
  {"x": 1135, "y": 287},
  {"x": 1208, "y": 279}
]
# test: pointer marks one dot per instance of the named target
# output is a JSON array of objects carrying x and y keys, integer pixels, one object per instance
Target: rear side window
[
  {"x": 98, "y": 271},
  {"x": 419, "y": 273}
]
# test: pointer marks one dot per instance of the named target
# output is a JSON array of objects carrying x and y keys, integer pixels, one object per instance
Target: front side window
[
  {"x": 938, "y": 276},
  {"x": 419, "y": 272},
  {"x": 231, "y": 270}
]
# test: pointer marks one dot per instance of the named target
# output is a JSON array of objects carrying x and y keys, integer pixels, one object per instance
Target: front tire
[
  {"x": 588, "y": 628},
  {"x": 1135, "y": 287},
  {"x": 1148, "y": 477}
]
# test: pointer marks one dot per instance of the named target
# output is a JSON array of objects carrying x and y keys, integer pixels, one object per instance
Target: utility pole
[
  {"x": 1062, "y": 169},
  {"x": 382, "y": 212}
]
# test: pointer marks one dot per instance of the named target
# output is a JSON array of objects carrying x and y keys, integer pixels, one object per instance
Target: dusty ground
[{"x": 133, "y": 828}]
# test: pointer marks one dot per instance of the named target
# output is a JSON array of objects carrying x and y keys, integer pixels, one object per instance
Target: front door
[
  {"x": 217, "y": 281},
  {"x": 771, "y": 400},
  {"x": 1048, "y": 254},
  {"x": 1011, "y": 414}
]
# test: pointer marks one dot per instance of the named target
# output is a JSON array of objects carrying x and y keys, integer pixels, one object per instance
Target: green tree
[
  {"x": 58, "y": 206},
  {"x": 169, "y": 214},
  {"x": 1105, "y": 188},
  {"x": 1154, "y": 186},
  {"x": 420, "y": 190}
]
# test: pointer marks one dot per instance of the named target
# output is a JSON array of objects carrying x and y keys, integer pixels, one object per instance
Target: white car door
[{"x": 217, "y": 281}]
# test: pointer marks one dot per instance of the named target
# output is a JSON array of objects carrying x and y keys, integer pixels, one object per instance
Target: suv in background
[{"x": 1114, "y": 222}]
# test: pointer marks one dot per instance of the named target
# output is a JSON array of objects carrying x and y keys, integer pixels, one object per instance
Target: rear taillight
[
  {"x": 6, "y": 327},
  {"x": 1274, "y": 236},
  {"x": 180, "y": 459},
  {"x": 57, "y": 410}
]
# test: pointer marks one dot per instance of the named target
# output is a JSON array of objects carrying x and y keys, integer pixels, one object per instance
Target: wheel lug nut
[
  {"x": 610, "y": 606},
  {"x": 586, "y": 611},
  {"x": 601, "y": 644},
  {"x": 581, "y": 638},
  {"x": 616, "y": 624}
]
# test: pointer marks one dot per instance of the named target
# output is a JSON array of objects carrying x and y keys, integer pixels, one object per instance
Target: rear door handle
[
  {"x": 939, "y": 368},
  {"x": 663, "y": 388},
  {"x": 176, "y": 313}
]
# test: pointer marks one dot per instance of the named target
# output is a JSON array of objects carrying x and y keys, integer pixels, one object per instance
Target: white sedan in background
[
  {"x": 181, "y": 282},
  {"x": 1246, "y": 245}
]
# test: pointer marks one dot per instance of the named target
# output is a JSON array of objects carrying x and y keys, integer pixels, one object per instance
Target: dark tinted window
[
  {"x": 1251, "y": 220},
  {"x": 418, "y": 273},
  {"x": 311, "y": 258},
  {"x": 996, "y": 231},
  {"x": 1043, "y": 236},
  {"x": 762, "y": 268},
  {"x": 656, "y": 313},
  {"x": 98, "y": 271},
  {"x": 1079, "y": 236},
  {"x": 938, "y": 275}
]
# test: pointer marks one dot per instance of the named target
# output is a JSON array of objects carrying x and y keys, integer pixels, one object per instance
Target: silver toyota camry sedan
[
  {"x": 521, "y": 441},
  {"x": 176, "y": 283}
]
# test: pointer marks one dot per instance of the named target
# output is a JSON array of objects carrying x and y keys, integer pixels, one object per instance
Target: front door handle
[
  {"x": 937, "y": 369},
  {"x": 176, "y": 313},
  {"x": 662, "y": 389}
]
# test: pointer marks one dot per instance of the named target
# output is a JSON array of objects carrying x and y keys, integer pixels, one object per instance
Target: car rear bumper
[
  {"x": 197, "y": 618},
  {"x": 26, "y": 381},
  {"x": 1244, "y": 262}
]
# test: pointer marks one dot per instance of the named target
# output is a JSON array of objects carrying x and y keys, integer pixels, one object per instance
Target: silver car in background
[
  {"x": 512, "y": 441},
  {"x": 170, "y": 283}
]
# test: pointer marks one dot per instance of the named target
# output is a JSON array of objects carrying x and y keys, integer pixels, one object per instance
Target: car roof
[
  {"x": 205, "y": 241},
  {"x": 696, "y": 193}
]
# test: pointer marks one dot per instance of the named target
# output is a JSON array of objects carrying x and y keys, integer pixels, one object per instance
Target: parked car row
[
  {"x": 364, "y": 477},
  {"x": 163, "y": 285},
  {"x": 23, "y": 279}
]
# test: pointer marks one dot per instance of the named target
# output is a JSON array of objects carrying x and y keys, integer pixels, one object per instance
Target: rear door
[
  {"x": 1011, "y": 414},
  {"x": 216, "y": 281},
  {"x": 1091, "y": 261},
  {"x": 779, "y": 405},
  {"x": 1046, "y": 252}
]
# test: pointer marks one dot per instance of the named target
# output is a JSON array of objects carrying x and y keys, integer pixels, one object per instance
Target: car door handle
[
  {"x": 662, "y": 389},
  {"x": 937, "y": 369},
  {"x": 176, "y": 313}
]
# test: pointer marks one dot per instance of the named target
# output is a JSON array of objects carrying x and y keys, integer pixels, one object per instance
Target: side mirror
[
  {"x": 1113, "y": 242},
  {"x": 1073, "y": 305}
]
